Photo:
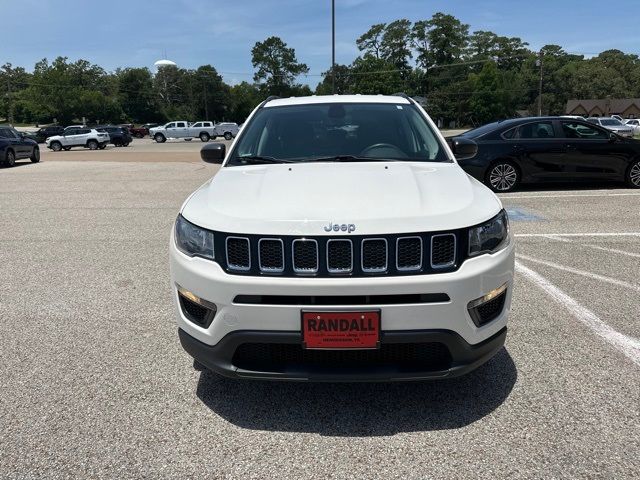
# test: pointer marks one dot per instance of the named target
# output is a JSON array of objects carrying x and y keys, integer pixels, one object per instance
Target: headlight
[
  {"x": 193, "y": 241},
  {"x": 489, "y": 237}
]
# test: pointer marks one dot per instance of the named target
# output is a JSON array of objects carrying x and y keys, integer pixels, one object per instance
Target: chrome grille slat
[
  {"x": 374, "y": 255},
  {"x": 305, "y": 255},
  {"x": 271, "y": 255},
  {"x": 339, "y": 255},
  {"x": 409, "y": 253},
  {"x": 238, "y": 255},
  {"x": 443, "y": 250}
]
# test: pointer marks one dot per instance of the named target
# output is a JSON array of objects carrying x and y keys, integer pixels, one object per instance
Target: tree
[
  {"x": 244, "y": 98},
  {"x": 276, "y": 65},
  {"x": 343, "y": 81},
  {"x": 137, "y": 98},
  {"x": 12, "y": 80},
  {"x": 372, "y": 76},
  {"x": 370, "y": 41},
  {"x": 395, "y": 45},
  {"x": 446, "y": 38}
]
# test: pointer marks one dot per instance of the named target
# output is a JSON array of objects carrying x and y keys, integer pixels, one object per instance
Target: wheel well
[
  {"x": 206, "y": 133},
  {"x": 631, "y": 164},
  {"x": 92, "y": 140}
]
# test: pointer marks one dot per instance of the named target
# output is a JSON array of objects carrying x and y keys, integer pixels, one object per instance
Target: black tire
[
  {"x": 228, "y": 136},
  {"x": 9, "y": 158},
  {"x": 35, "y": 155},
  {"x": 503, "y": 176},
  {"x": 213, "y": 137},
  {"x": 66, "y": 149},
  {"x": 633, "y": 175},
  {"x": 204, "y": 137},
  {"x": 57, "y": 146},
  {"x": 92, "y": 145},
  {"x": 102, "y": 146},
  {"x": 159, "y": 138},
  {"x": 139, "y": 135},
  {"x": 125, "y": 144}
]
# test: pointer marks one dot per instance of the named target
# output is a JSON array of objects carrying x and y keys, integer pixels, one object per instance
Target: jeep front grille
[{"x": 327, "y": 256}]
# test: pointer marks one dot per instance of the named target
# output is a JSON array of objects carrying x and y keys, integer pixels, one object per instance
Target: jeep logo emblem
[{"x": 335, "y": 227}]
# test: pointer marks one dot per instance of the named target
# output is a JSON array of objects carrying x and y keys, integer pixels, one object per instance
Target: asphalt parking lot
[{"x": 96, "y": 385}]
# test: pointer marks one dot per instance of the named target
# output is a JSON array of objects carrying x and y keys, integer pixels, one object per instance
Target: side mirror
[
  {"x": 613, "y": 137},
  {"x": 213, "y": 153},
  {"x": 463, "y": 148}
]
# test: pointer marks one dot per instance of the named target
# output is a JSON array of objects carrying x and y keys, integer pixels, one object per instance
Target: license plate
[{"x": 341, "y": 330}]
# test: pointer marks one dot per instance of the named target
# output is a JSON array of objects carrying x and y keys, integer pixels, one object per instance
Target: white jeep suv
[
  {"x": 341, "y": 241},
  {"x": 78, "y": 137}
]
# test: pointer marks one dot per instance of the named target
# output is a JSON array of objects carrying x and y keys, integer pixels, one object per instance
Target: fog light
[
  {"x": 196, "y": 309},
  {"x": 488, "y": 307}
]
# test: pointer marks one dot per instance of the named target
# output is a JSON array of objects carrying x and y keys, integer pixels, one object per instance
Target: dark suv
[
  {"x": 15, "y": 146},
  {"x": 43, "y": 133},
  {"x": 120, "y": 136}
]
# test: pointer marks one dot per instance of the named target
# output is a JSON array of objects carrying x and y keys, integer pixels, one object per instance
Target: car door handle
[{"x": 570, "y": 146}]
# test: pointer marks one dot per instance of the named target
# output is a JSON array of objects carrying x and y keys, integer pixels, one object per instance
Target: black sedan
[
  {"x": 550, "y": 149},
  {"x": 15, "y": 146}
]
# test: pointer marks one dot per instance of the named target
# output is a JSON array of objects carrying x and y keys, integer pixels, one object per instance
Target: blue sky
[{"x": 117, "y": 33}]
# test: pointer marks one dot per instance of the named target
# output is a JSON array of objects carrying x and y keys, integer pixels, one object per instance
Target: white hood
[{"x": 378, "y": 198}]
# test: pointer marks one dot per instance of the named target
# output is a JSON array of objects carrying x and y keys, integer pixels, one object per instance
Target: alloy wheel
[
  {"x": 634, "y": 174},
  {"x": 503, "y": 177}
]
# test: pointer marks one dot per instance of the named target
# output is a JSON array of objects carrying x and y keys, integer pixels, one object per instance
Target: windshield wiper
[
  {"x": 349, "y": 158},
  {"x": 258, "y": 159}
]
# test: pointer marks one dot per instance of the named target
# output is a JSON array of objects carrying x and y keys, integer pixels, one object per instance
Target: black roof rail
[
  {"x": 405, "y": 96},
  {"x": 269, "y": 98}
]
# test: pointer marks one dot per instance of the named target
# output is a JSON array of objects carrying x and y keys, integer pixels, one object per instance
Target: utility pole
[
  {"x": 333, "y": 46},
  {"x": 539, "y": 62},
  {"x": 206, "y": 103},
  {"x": 9, "y": 100}
]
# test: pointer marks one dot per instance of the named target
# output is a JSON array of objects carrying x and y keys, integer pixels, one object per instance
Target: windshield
[
  {"x": 322, "y": 132},
  {"x": 611, "y": 122}
]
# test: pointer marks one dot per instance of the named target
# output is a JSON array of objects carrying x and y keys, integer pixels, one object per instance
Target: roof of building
[{"x": 613, "y": 104}]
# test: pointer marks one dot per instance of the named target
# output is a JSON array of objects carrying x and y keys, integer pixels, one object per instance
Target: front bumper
[{"x": 221, "y": 357}]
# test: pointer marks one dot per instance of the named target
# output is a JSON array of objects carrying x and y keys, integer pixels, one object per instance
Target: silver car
[
  {"x": 635, "y": 124},
  {"x": 613, "y": 124}
]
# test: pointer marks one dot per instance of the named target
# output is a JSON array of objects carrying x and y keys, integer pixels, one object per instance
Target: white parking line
[
  {"x": 629, "y": 346},
  {"x": 559, "y": 238},
  {"x": 603, "y": 234},
  {"x": 571, "y": 195},
  {"x": 594, "y": 276}
]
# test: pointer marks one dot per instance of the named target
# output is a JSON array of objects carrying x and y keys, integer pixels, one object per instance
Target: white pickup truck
[{"x": 204, "y": 130}]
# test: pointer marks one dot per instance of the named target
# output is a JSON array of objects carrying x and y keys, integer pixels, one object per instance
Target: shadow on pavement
[{"x": 369, "y": 409}]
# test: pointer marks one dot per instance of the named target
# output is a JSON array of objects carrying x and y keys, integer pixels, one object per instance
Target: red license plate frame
[{"x": 341, "y": 329}]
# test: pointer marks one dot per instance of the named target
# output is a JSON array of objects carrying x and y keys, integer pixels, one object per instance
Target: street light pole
[
  {"x": 540, "y": 86},
  {"x": 333, "y": 46}
]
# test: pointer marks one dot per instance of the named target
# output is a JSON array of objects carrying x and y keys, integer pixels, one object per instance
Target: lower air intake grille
[
  {"x": 275, "y": 357},
  {"x": 485, "y": 313}
]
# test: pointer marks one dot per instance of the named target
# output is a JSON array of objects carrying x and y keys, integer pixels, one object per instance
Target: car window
[
  {"x": 593, "y": 120},
  {"x": 181, "y": 125},
  {"x": 6, "y": 133},
  {"x": 510, "y": 134},
  {"x": 536, "y": 130},
  {"x": 580, "y": 130},
  {"x": 610, "y": 122},
  {"x": 197, "y": 125},
  {"x": 71, "y": 131},
  {"x": 171, "y": 125},
  {"x": 307, "y": 132}
]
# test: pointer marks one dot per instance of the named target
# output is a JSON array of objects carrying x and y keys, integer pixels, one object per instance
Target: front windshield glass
[
  {"x": 610, "y": 122},
  {"x": 326, "y": 132}
]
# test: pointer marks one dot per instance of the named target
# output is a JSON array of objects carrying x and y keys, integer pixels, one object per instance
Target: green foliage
[{"x": 276, "y": 65}]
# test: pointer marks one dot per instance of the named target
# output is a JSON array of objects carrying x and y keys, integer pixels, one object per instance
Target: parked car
[
  {"x": 203, "y": 130},
  {"x": 341, "y": 257},
  {"x": 612, "y": 124},
  {"x": 16, "y": 146},
  {"x": 75, "y": 126},
  {"x": 141, "y": 131},
  {"x": 548, "y": 149},
  {"x": 78, "y": 137},
  {"x": 118, "y": 136},
  {"x": 178, "y": 129},
  {"x": 635, "y": 124},
  {"x": 618, "y": 117},
  {"x": 228, "y": 130},
  {"x": 43, "y": 133}
]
